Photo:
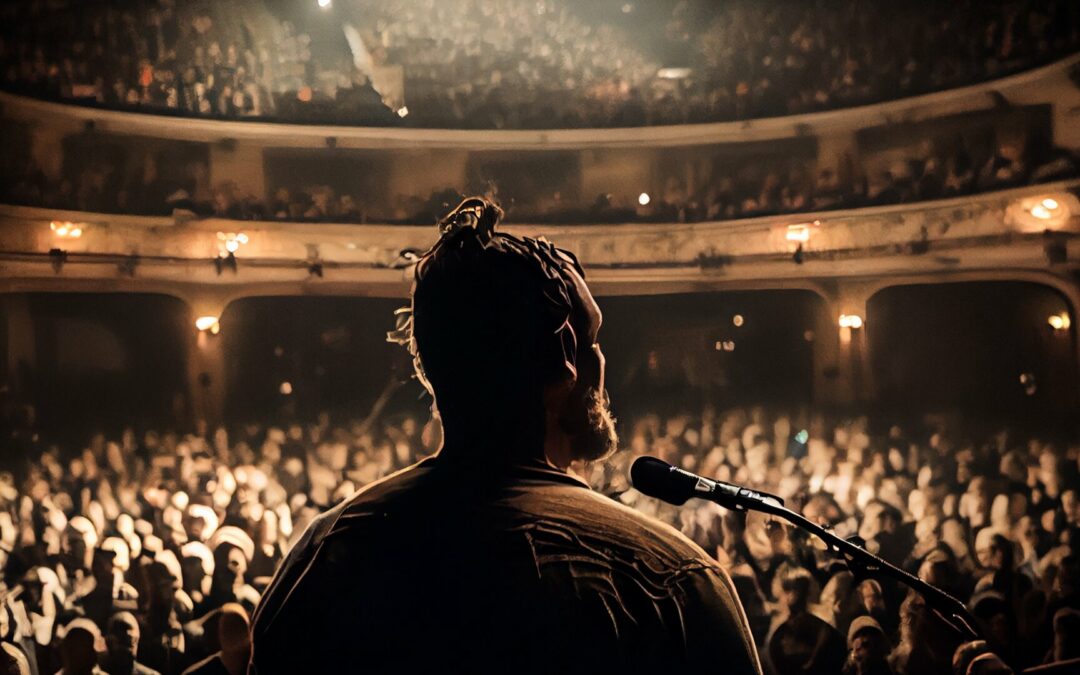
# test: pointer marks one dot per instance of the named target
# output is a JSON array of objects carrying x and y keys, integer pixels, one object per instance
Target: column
[{"x": 206, "y": 359}]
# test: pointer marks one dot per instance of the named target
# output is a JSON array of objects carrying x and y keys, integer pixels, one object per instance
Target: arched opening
[
  {"x": 986, "y": 350},
  {"x": 94, "y": 362}
]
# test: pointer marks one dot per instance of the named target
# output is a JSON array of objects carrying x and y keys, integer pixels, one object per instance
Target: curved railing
[{"x": 1038, "y": 86}]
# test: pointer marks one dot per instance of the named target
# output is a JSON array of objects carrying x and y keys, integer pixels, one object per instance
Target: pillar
[
  {"x": 843, "y": 375},
  {"x": 206, "y": 359}
]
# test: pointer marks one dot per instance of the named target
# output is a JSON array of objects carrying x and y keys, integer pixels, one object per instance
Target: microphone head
[{"x": 657, "y": 478}]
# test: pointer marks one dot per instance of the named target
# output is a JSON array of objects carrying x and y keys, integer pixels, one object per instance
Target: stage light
[
  {"x": 737, "y": 320},
  {"x": 1060, "y": 322},
  {"x": 208, "y": 323},
  {"x": 644, "y": 199},
  {"x": 851, "y": 321}
]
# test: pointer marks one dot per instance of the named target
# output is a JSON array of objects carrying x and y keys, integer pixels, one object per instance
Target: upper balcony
[
  {"x": 1015, "y": 131},
  {"x": 517, "y": 64}
]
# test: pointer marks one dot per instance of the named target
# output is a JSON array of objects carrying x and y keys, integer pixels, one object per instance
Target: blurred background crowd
[
  {"x": 100, "y": 174},
  {"x": 151, "y": 547},
  {"x": 516, "y": 63}
]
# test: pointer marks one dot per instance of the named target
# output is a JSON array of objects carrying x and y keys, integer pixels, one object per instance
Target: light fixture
[
  {"x": 285, "y": 388},
  {"x": 737, "y": 320},
  {"x": 799, "y": 233},
  {"x": 208, "y": 323},
  {"x": 1050, "y": 203},
  {"x": 1060, "y": 322},
  {"x": 403, "y": 111},
  {"x": 230, "y": 242},
  {"x": 325, "y": 4},
  {"x": 65, "y": 229},
  {"x": 644, "y": 199},
  {"x": 1040, "y": 212},
  {"x": 851, "y": 321}
]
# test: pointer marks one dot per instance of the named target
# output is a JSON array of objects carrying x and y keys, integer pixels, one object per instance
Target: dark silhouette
[{"x": 491, "y": 556}]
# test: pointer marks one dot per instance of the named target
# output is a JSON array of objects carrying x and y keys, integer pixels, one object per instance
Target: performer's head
[{"x": 504, "y": 334}]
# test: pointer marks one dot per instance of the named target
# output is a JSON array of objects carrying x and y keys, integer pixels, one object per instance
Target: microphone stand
[{"x": 864, "y": 564}]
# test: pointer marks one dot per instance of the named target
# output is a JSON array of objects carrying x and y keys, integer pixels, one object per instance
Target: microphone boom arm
[{"x": 864, "y": 563}]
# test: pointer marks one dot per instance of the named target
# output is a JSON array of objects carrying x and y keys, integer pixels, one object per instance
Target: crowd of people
[
  {"x": 136, "y": 182},
  {"x": 148, "y": 551},
  {"x": 518, "y": 63}
]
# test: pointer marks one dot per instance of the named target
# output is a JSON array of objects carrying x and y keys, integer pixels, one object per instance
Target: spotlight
[{"x": 644, "y": 199}]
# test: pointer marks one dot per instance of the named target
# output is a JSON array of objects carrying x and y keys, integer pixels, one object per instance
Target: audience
[
  {"x": 147, "y": 553},
  {"x": 129, "y": 182},
  {"x": 517, "y": 63}
]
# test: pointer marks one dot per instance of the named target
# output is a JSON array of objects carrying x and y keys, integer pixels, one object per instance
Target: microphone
[{"x": 657, "y": 478}]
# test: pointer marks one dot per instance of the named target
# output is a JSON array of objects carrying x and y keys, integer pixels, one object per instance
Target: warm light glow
[
  {"x": 403, "y": 111},
  {"x": 209, "y": 323},
  {"x": 644, "y": 199},
  {"x": 851, "y": 321},
  {"x": 1060, "y": 321},
  {"x": 1040, "y": 212},
  {"x": 285, "y": 388},
  {"x": 799, "y": 233},
  {"x": 325, "y": 4},
  {"x": 737, "y": 320},
  {"x": 1050, "y": 203},
  {"x": 65, "y": 229},
  {"x": 230, "y": 242}
]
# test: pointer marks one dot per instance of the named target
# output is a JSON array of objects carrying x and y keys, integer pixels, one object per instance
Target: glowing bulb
[
  {"x": 285, "y": 388},
  {"x": 1059, "y": 321},
  {"x": 644, "y": 199},
  {"x": 800, "y": 233},
  {"x": 232, "y": 246},
  {"x": 403, "y": 111},
  {"x": 325, "y": 4},
  {"x": 1050, "y": 203},
  {"x": 851, "y": 321},
  {"x": 242, "y": 238},
  {"x": 207, "y": 323},
  {"x": 1040, "y": 212},
  {"x": 737, "y": 320}
]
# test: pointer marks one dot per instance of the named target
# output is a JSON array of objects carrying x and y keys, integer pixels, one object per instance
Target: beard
[{"x": 591, "y": 427}]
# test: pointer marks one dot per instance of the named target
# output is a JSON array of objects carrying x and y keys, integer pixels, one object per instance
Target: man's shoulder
[{"x": 600, "y": 514}]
